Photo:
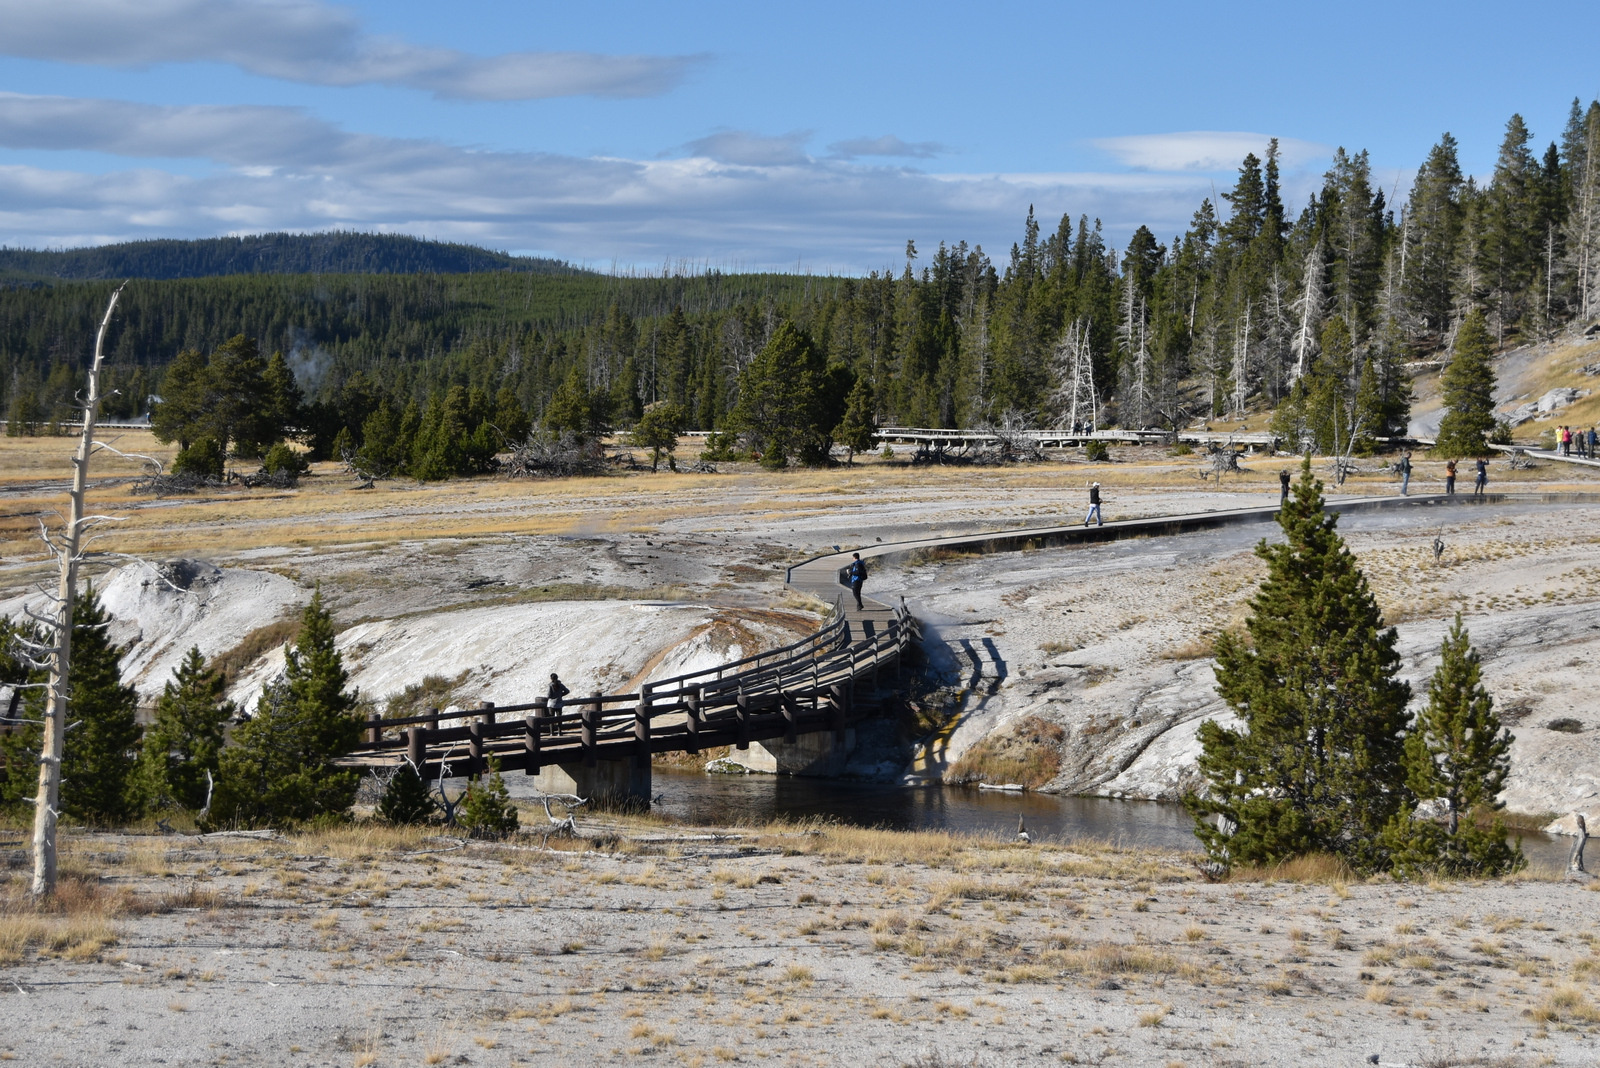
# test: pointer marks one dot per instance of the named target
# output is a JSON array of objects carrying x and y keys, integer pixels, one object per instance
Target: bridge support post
[
  {"x": 817, "y": 753},
  {"x": 627, "y": 779}
]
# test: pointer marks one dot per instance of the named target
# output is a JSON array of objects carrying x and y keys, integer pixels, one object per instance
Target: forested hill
[
  {"x": 325, "y": 253},
  {"x": 1313, "y": 314}
]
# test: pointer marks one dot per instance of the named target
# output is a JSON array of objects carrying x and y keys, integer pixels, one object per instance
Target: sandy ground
[{"x": 681, "y": 946}]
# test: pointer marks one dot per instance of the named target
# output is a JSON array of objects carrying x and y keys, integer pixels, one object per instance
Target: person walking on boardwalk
[
  {"x": 1283, "y": 486},
  {"x": 1483, "y": 477},
  {"x": 1094, "y": 507},
  {"x": 1450, "y": 478},
  {"x": 1594, "y": 439},
  {"x": 856, "y": 576},
  {"x": 1405, "y": 472}
]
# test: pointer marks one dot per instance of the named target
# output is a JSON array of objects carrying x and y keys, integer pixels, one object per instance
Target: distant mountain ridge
[{"x": 336, "y": 252}]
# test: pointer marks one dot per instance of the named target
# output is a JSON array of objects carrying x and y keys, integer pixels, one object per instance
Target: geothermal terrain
[
  {"x": 641, "y": 938},
  {"x": 459, "y": 593}
]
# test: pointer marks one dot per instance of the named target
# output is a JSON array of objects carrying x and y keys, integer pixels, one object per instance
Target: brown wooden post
[
  {"x": 691, "y": 704},
  {"x": 591, "y": 726},
  {"x": 742, "y": 713},
  {"x": 532, "y": 735},
  {"x": 374, "y": 731},
  {"x": 641, "y": 728},
  {"x": 417, "y": 746},
  {"x": 475, "y": 761}
]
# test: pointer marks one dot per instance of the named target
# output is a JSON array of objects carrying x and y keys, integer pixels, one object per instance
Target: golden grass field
[{"x": 325, "y": 511}]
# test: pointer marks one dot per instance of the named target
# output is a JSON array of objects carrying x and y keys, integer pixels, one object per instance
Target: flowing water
[{"x": 732, "y": 800}]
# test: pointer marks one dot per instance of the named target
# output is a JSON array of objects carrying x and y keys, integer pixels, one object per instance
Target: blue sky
[{"x": 817, "y": 137}]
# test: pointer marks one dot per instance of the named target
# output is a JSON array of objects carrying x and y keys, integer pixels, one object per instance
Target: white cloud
[
  {"x": 306, "y": 41},
  {"x": 1204, "y": 150},
  {"x": 742, "y": 200},
  {"x": 887, "y": 145},
  {"x": 753, "y": 150}
]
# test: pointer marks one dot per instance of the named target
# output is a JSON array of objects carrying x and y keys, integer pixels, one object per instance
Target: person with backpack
[
  {"x": 1450, "y": 478},
  {"x": 1404, "y": 467},
  {"x": 856, "y": 576},
  {"x": 1283, "y": 486},
  {"x": 1482, "y": 479},
  {"x": 1094, "y": 507}
]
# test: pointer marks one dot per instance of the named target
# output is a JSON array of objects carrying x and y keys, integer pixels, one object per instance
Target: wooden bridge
[{"x": 603, "y": 743}]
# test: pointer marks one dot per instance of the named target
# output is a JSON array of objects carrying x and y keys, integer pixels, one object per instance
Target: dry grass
[
  {"x": 74, "y": 923},
  {"x": 1566, "y": 1005},
  {"x": 256, "y": 644},
  {"x": 322, "y": 511},
  {"x": 1027, "y": 753},
  {"x": 1314, "y": 868}
]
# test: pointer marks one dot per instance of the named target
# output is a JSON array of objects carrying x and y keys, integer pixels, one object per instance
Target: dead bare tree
[{"x": 68, "y": 548}]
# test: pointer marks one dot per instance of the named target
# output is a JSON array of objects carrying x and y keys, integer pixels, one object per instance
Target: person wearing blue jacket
[{"x": 856, "y": 576}]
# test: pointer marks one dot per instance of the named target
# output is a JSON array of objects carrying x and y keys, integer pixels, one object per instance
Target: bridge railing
[{"x": 802, "y": 687}]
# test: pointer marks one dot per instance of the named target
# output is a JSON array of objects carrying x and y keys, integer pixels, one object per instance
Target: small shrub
[
  {"x": 285, "y": 461},
  {"x": 1565, "y": 725},
  {"x": 202, "y": 459},
  {"x": 487, "y": 811},
  {"x": 1183, "y": 448},
  {"x": 1097, "y": 452},
  {"x": 406, "y": 799}
]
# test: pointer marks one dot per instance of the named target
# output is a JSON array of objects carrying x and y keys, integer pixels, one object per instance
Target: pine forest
[{"x": 1311, "y": 311}]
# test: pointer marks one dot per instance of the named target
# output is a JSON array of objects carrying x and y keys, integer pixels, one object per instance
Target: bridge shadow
[{"x": 999, "y": 665}]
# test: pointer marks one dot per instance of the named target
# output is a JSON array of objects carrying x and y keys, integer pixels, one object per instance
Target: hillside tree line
[{"x": 1312, "y": 310}]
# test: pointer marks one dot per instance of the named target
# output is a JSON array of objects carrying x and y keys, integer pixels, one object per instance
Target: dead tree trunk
[{"x": 69, "y": 551}]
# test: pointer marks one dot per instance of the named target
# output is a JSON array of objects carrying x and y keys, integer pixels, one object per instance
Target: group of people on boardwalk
[
  {"x": 1569, "y": 438},
  {"x": 1479, "y": 483}
]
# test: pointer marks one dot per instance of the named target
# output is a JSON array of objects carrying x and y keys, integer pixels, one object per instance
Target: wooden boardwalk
[{"x": 823, "y": 683}]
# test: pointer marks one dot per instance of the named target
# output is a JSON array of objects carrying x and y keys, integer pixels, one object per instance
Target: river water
[{"x": 735, "y": 800}]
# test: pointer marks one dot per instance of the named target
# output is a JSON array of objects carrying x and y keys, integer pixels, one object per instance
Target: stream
[{"x": 733, "y": 800}]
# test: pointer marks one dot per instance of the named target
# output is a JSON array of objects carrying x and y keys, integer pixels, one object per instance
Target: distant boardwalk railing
[{"x": 805, "y": 687}]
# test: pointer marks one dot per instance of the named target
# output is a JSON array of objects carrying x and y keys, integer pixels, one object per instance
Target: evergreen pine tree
[
  {"x": 382, "y": 451},
  {"x": 858, "y": 430},
  {"x": 406, "y": 799},
  {"x": 1432, "y": 236},
  {"x": 657, "y": 430},
  {"x": 1456, "y": 753},
  {"x": 98, "y": 784},
  {"x": 783, "y": 401},
  {"x": 1317, "y": 765},
  {"x": 19, "y": 742},
  {"x": 185, "y": 741},
  {"x": 487, "y": 811},
  {"x": 284, "y": 401},
  {"x": 280, "y": 766},
  {"x": 1468, "y": 388}
]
